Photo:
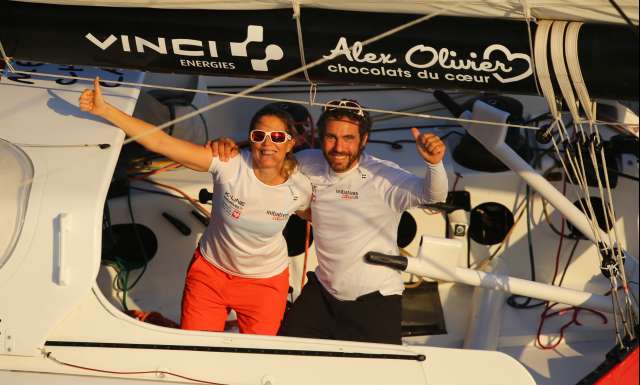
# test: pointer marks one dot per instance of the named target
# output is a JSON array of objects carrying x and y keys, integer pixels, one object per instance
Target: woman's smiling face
[{"x": 268, "y": 154}]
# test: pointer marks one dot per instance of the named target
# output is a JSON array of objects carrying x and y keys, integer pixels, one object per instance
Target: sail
[
  {"x": 582, "y": 10},
  {"x": 447, "y": 52}
]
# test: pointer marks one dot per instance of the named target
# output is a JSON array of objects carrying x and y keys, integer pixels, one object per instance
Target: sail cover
[{"x": 447, "y": 52}]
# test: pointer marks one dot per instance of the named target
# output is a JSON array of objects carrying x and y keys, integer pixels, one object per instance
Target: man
[{"x": 356, "y": 206}]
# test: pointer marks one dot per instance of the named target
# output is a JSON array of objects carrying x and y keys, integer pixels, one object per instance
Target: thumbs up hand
[
  {"x": 92, "y": 100},
  {"x": 429, "y": 146}
]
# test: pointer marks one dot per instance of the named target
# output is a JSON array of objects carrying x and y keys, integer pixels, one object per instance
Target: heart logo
[{"x": 510, "y": 57}]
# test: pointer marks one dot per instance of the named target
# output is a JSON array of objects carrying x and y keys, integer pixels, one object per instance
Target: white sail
[{"x": 582, "y": 10}]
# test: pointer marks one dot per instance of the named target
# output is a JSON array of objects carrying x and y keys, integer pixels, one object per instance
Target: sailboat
[{"x": 528, "y": 274}]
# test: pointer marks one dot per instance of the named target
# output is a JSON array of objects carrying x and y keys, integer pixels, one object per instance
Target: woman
[{"x": 241, "y": 262}]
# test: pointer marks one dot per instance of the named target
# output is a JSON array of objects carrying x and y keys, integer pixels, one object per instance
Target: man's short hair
[{"x": 345, "y": 108}]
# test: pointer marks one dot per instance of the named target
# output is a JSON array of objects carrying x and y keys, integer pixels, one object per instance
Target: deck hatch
[{"x": 17, "y": 177}]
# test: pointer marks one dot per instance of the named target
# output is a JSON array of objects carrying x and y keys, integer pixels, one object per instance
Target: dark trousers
[{"x": 316, "y": 313}]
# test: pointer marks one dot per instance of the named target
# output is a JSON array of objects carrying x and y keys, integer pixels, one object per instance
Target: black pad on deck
[
  {"x": 120, "y": 245},
  {"x": 422, "y": 311}
]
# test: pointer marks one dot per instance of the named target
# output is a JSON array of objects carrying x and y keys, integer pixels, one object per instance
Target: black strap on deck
[{"x": 221, "y": 349}]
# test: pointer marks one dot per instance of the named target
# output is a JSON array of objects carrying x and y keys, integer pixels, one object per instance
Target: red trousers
[{"x": 210, "y": 293}]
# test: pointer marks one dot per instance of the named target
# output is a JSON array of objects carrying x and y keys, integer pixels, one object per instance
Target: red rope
[
  {"x": 576, "y": 310},
  {"x": 194, "y": 203},
  {"x": 574, "y": 320},
  {"x": 156, "y": 372}
]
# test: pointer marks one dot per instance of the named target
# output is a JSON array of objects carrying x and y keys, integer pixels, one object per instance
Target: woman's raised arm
[{"x": 191, "y": 155}]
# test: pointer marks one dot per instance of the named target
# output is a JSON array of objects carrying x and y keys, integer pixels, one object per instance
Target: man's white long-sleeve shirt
[{"x": 359, "y": 211}]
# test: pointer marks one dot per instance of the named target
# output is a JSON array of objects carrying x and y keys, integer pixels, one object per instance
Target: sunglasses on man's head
[
  {"x": 350, "y": 106},
  {"x": 259, "y": 136}
]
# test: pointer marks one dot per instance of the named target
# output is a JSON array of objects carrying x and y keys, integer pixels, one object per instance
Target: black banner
[
  {"x": 229, "y": 43},
  {"x": 444, "y": 52}
]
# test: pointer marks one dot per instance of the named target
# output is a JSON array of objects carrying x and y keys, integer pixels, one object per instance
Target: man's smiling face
[{"x": 342, "y": 144}]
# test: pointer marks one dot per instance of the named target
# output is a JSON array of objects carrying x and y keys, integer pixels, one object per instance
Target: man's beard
[{"x": 343, "y": 166}]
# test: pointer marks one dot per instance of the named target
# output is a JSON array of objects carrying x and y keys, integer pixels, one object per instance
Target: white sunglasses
[
  {"x": 351, "y": 105},
  {"x": 259, "y": 136}
]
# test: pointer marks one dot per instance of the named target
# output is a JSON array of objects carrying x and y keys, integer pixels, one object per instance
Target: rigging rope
[
  {"x": 564, "y": 49},
  {"x": 606, "y": 196},
  {"x": 634, "y": 28},
  {"x": 271, "y": 99},
  {"x": 245, "y": 93},
  {"x": 313, "y": 86},
  {"x": 562, "y": 77},
  {"x": 589, "y": 108},
  {"x": 6, "y": 59},
  {"x": 526, "y": 11}
]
